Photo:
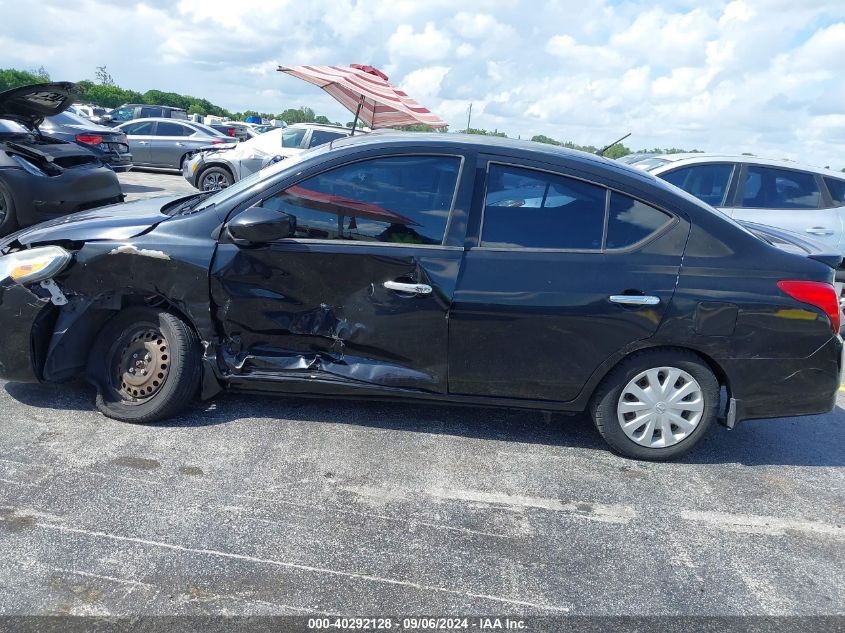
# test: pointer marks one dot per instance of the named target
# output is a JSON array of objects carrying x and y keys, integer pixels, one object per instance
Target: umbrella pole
[{"x": 357, "y": 112}]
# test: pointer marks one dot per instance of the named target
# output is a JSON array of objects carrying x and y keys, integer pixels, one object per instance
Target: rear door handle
[
  {"x": 635, "y": 300},
  {"x": 819, "y": 230},
  {"x": 415, "y": 289}
]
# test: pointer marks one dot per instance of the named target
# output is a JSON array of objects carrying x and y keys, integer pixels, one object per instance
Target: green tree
[
  {"x": 542, "y": 138},
  {"x": 482, "y": 131},
  {"x": 323, "y": 120},
  {"x": 12, "y": 78}
]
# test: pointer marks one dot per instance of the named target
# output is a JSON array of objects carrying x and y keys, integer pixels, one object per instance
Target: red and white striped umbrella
[{"x": 365, "y": 91}]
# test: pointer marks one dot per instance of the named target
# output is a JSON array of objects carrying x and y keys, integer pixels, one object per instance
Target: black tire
[
  {"x": 8, "y": 217},
  {"x": 220, "y": 174},
  {"x": 603, "y": 406},
  {"x": 171, "y": 377}
]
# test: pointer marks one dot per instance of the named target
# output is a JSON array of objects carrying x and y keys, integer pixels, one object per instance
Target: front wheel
[
  {"x": 656, "y": 405},
  {"x": 215, "y": 178},
  {"x": 146, "y": 366},
  {"x": 8, "y": 219}
]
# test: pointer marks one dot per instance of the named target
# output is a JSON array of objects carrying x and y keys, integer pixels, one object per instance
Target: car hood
[
  {"x": 115, "y": 222},
  {"x": 31, "y": 104}
]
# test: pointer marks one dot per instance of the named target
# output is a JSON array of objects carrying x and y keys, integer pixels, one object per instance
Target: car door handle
[
  {"x": 180, "y": 144},
  {"x": 142, "y": 142},
  {"x": 635, "y": 300},
  {"x": 415, "y": 289},
  {"x": 819, "y": 230}
]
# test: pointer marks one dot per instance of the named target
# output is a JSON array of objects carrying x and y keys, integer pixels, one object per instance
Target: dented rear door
[{"x": 362, "y": 290}]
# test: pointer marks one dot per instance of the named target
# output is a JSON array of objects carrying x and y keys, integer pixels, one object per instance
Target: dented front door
[{"x": 361, "y": 292}]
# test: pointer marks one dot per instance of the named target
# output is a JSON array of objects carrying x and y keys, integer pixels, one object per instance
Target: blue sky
[{"x": 761, "y": 76}]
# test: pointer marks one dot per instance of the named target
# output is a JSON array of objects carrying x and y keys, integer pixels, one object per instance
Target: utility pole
[{"x": 469, "y": 116}]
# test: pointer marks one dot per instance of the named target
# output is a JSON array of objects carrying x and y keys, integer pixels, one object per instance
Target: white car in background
[
  {"x": 218, "y": 168},
  {"x": 809, "y": 201}
]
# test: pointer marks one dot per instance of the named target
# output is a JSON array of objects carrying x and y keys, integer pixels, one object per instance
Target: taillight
[
  {"x": 818, "y": 294},
  {"x": 217, "y": 141},
  {"x": 89, "y": 139}
]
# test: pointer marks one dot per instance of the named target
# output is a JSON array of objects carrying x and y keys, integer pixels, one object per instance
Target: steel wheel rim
[
  {"x": 211, "y": 182},
  {"x": 143, "y": 365},
  {"x": 660, "y": 407}
]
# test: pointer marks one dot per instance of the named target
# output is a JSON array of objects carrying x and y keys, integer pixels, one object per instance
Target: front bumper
[
  {"x": 26, "y": 322},
  {"x": 767, "y": 388}
]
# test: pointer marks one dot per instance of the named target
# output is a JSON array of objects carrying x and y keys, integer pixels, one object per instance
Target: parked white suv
[
  {"x": 779, "y": 193},
  {"x": 219, "y": 168}
]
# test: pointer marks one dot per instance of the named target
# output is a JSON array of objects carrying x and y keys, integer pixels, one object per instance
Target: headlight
[
  {"x": 27, "y": 166},
  {"x": 35, "y": 264}
]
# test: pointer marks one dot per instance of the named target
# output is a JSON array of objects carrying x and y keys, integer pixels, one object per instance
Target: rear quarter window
[
  {"x": 631, "y": 221},
  {"x": 836, "y": 188}
]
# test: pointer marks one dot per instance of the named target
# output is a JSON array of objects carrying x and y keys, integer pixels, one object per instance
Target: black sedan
[
  {"x": 110, "y": 146},
  {"x": 438, "y": 268},
  {"x": 41, "y": 177}
]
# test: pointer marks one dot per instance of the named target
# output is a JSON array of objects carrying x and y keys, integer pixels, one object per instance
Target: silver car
[
  {"x": 783, "y": 194},
  {"x": 166, "y": 142}
]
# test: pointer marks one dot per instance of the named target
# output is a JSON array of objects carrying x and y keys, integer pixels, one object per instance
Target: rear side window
[
  {"x": 525, "y": 208},
  {"x": 631, "y": 221},
  {"x": 401, "y": 199},
  {"x": 148, "y": 112},
  {"x": 166, "y": 128},
  {"x": 772, "y": 188},
  {"x": 837, "y": 190},
  {"x": 708, "y": 183},
  {"x": 179, "y": 114}
]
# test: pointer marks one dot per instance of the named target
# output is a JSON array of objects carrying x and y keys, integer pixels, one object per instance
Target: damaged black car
[
  {"x": 40, "y": 177},
  {"x": 436, "y": 268}
]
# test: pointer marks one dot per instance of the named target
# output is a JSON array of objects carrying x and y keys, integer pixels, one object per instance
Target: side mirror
[
  {"x": 106, "y": 118},
  {"x": 260, "y": 225}
]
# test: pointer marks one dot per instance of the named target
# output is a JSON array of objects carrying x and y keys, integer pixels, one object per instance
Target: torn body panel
[{"x": 323, "y": 310}]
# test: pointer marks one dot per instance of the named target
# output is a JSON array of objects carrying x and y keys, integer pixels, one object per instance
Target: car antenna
[{"x": 607, "y": 147}]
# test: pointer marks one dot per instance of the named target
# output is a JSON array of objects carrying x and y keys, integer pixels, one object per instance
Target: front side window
[
  {"x": 772, "y": 188},
  {"x": 144, "y": 128},
  {"x": 166, "y": 128},
  {"x": 836, "y": 188},
  {"x": 708, "y": 183},
  {"x": 631, "y": 221},
  {"x": 148, "y": 112},
  {"x": 402, "y": 199},
  {"x": 292, "y": 137},
  {"x": 533, "y": 209}
]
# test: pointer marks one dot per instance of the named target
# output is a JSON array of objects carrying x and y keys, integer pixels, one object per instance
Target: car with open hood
[
  {"x": 42, "y": 177},
  {"x": 431, "y": 268}
]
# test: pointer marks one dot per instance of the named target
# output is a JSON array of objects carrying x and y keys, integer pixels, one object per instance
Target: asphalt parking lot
[{"x": 254, "y": 506}]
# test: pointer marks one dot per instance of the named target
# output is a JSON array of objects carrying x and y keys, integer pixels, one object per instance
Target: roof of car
[
  {"x": 163, "y": 119},
  {"x": 692, "y": 158},
  {"x": 496, "y": 145},
  {"x": 149, "y": 105}
]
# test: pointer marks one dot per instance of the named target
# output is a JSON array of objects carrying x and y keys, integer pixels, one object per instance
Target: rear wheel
[
  {"x": 146, "y": 365},
  {"x": 656, "y": 405},
  {"x": 8, "y": 219},
  {"x": 215, "y": 178}
]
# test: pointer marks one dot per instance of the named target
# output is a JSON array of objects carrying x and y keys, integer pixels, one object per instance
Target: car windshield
[{"x": 271, "y": 170}]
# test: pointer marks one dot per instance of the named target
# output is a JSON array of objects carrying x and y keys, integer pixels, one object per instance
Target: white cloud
[{"x": 733, "y": 75}]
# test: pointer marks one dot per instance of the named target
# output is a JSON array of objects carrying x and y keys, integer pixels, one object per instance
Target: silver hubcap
[
  {"x": 211, "y": 182},
  {"x": 660, "y": 407}
]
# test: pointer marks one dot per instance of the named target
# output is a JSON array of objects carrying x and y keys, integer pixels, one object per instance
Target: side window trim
[
  {"x": 608, "y": 192},
  {"x": 303, "y": 176}
]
